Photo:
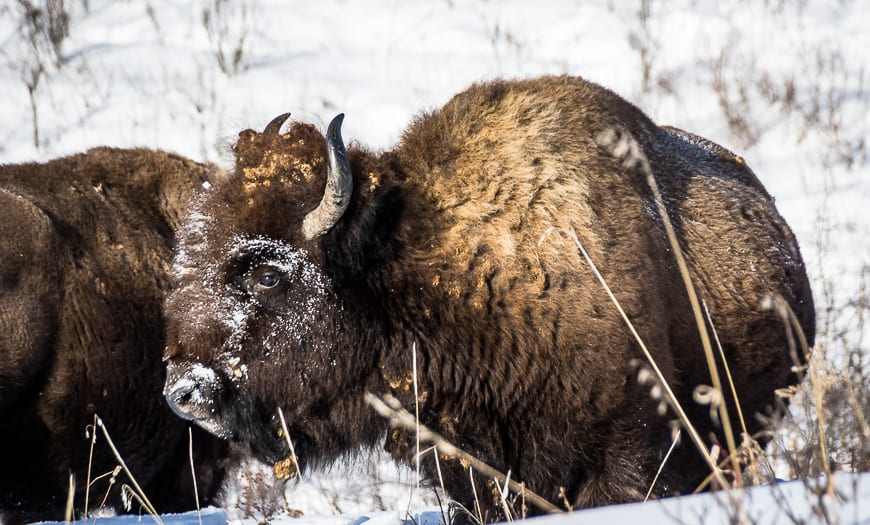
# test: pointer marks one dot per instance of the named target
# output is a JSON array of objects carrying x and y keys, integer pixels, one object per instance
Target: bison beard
[{"x": 459, "y": 242}]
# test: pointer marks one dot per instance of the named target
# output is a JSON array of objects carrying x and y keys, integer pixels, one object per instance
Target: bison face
[
  {"x": 254, "y": 323},
  {"x": 247, "y": 337}
]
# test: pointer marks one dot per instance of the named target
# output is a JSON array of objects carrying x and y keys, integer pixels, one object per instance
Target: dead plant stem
[
  {"x": 474, "y": 491},
  {"x": 391, "y": 408},
  {"x": 93, "y": 436},
  {"x": 70, "y": 497},
  {"x": 142, "y": 497},
  {"x": 193, "y": 474},
  {"x": 727, "y": 370},
  {"x": 662, "y": 466},
  {"x": 289, "y": 441},
  {"x": 669, "y": 394},
  {"x": 645, "y": 169}
]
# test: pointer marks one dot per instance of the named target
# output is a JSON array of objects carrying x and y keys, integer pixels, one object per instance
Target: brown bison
[
  {"x": 85, "y": 250},
  {"x": 306, "y": 279}
]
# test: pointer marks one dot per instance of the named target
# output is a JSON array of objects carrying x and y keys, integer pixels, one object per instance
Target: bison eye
[
  {"x": 268, "y": 279},
  {"x": 263, "y": 279}
]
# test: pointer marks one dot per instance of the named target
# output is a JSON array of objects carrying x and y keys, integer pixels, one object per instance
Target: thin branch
[
  {"x": 70, "y": 496},
  {"x": 669, "y": 395},
  {"x": 727, "y": 370},
  {"x": 193, "y": 474},
  {"x": 626, "y": 149},
  {"x": 141, "y": 494},
  {"x": 391, "y": 408},
  {"x": 662, "y": 466},
  {"x": 289, "y": 442}
]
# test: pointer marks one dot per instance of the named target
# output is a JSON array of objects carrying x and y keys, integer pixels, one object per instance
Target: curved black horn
[
  {"x": 274, "y": 127},
  {"x": 339, "y": 185}
]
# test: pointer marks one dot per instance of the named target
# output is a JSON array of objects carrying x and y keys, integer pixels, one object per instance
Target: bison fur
[
  {"x": 85, "y": 249},
  {"x": 459, "y": 244}
]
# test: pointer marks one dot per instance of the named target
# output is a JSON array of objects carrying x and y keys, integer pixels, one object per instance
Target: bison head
[{"x": 256, "y": 322}]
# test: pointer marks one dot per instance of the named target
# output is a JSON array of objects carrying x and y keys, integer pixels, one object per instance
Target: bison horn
[
  {"x": 274, "y": 127},
  {"x": 339, "y": 185}
]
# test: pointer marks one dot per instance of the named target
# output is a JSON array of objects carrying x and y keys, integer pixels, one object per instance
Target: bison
[
  {"x": 313, "y": 273},
  {"x": 85, "y": 252}
]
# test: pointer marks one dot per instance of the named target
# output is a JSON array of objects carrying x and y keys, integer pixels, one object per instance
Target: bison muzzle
[{"x": 310, "y": 276}]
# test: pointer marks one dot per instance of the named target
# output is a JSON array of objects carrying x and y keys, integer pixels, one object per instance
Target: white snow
[
  {"x": 144, "y": 73},
  {"x": 786, "y": 503},
  {"x": 782, "y": 503},
  {"x": 206, "y": 516}
]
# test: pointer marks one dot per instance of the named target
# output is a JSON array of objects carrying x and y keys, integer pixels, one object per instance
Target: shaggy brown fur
[
  {"x": 84, "y": 262},
  {"x": 458, "y": 242}
]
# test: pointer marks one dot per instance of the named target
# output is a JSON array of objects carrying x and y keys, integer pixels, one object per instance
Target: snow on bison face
[{"x": 254, "y": 323}]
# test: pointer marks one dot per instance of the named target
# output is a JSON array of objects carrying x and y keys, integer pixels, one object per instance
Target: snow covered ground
[
  {"x": 784, "y": 83},
  {"x": 782, "y": 503}
]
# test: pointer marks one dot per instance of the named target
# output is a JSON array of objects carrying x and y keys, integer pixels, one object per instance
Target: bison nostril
[
  {"x": 194, "y": 391},
  {"x": 190, "y": 391}
]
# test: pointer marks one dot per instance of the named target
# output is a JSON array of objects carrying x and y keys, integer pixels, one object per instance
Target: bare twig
[
  {"x": 146, "y": 503},
  {"x": 92, "y": 434},
  {"x": 289, "y": 442},
  {"x": 193, "y": 474},
  {"x": 626, "y": 149},
  {"x": 391, "y": 408},
  {"x": 70, "y": 497},
  {"x": 662, "y": 466},
  {"x": 669, "y": 395}
]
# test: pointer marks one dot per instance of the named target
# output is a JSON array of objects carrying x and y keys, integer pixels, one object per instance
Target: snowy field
[
  {"x": 784, "y": 503},
  {"x": 786, "y": 84}
]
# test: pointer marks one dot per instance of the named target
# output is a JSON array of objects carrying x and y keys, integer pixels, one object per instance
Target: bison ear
[{"x": 365, "y": 239}]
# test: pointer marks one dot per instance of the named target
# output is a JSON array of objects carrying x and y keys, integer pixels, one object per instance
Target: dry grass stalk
[
  {"x": 416, "y": 486},
  {"x": 70, "y": 496},
  {"x": 139, "y": 494},
  {"x": 434, "y": 451},
  {"x": 662, "y": 466},
  {"x": 479, "y": 516},
  {"x": 416, "y": 406},
  {"x": 819, "y": 389},
  {"x": 289, "y": 442},
  {"x": 818, "y": 386},
  {"x": 781, "y": 308},
  {"x": 193, "y": 474},
  {"x": 853, "y": 399},
  {"x": 503, "y": 495},
  {"x": 112, "y": 480},
  {"x": 565, "y": 500},
  {"x": 391, "y": 408},
  {"x": 91, "y": 433},
  {"x": 669, "y": 395},
  {"x": 727, "y": 370},
  {"x": 625, "y": 149}
]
